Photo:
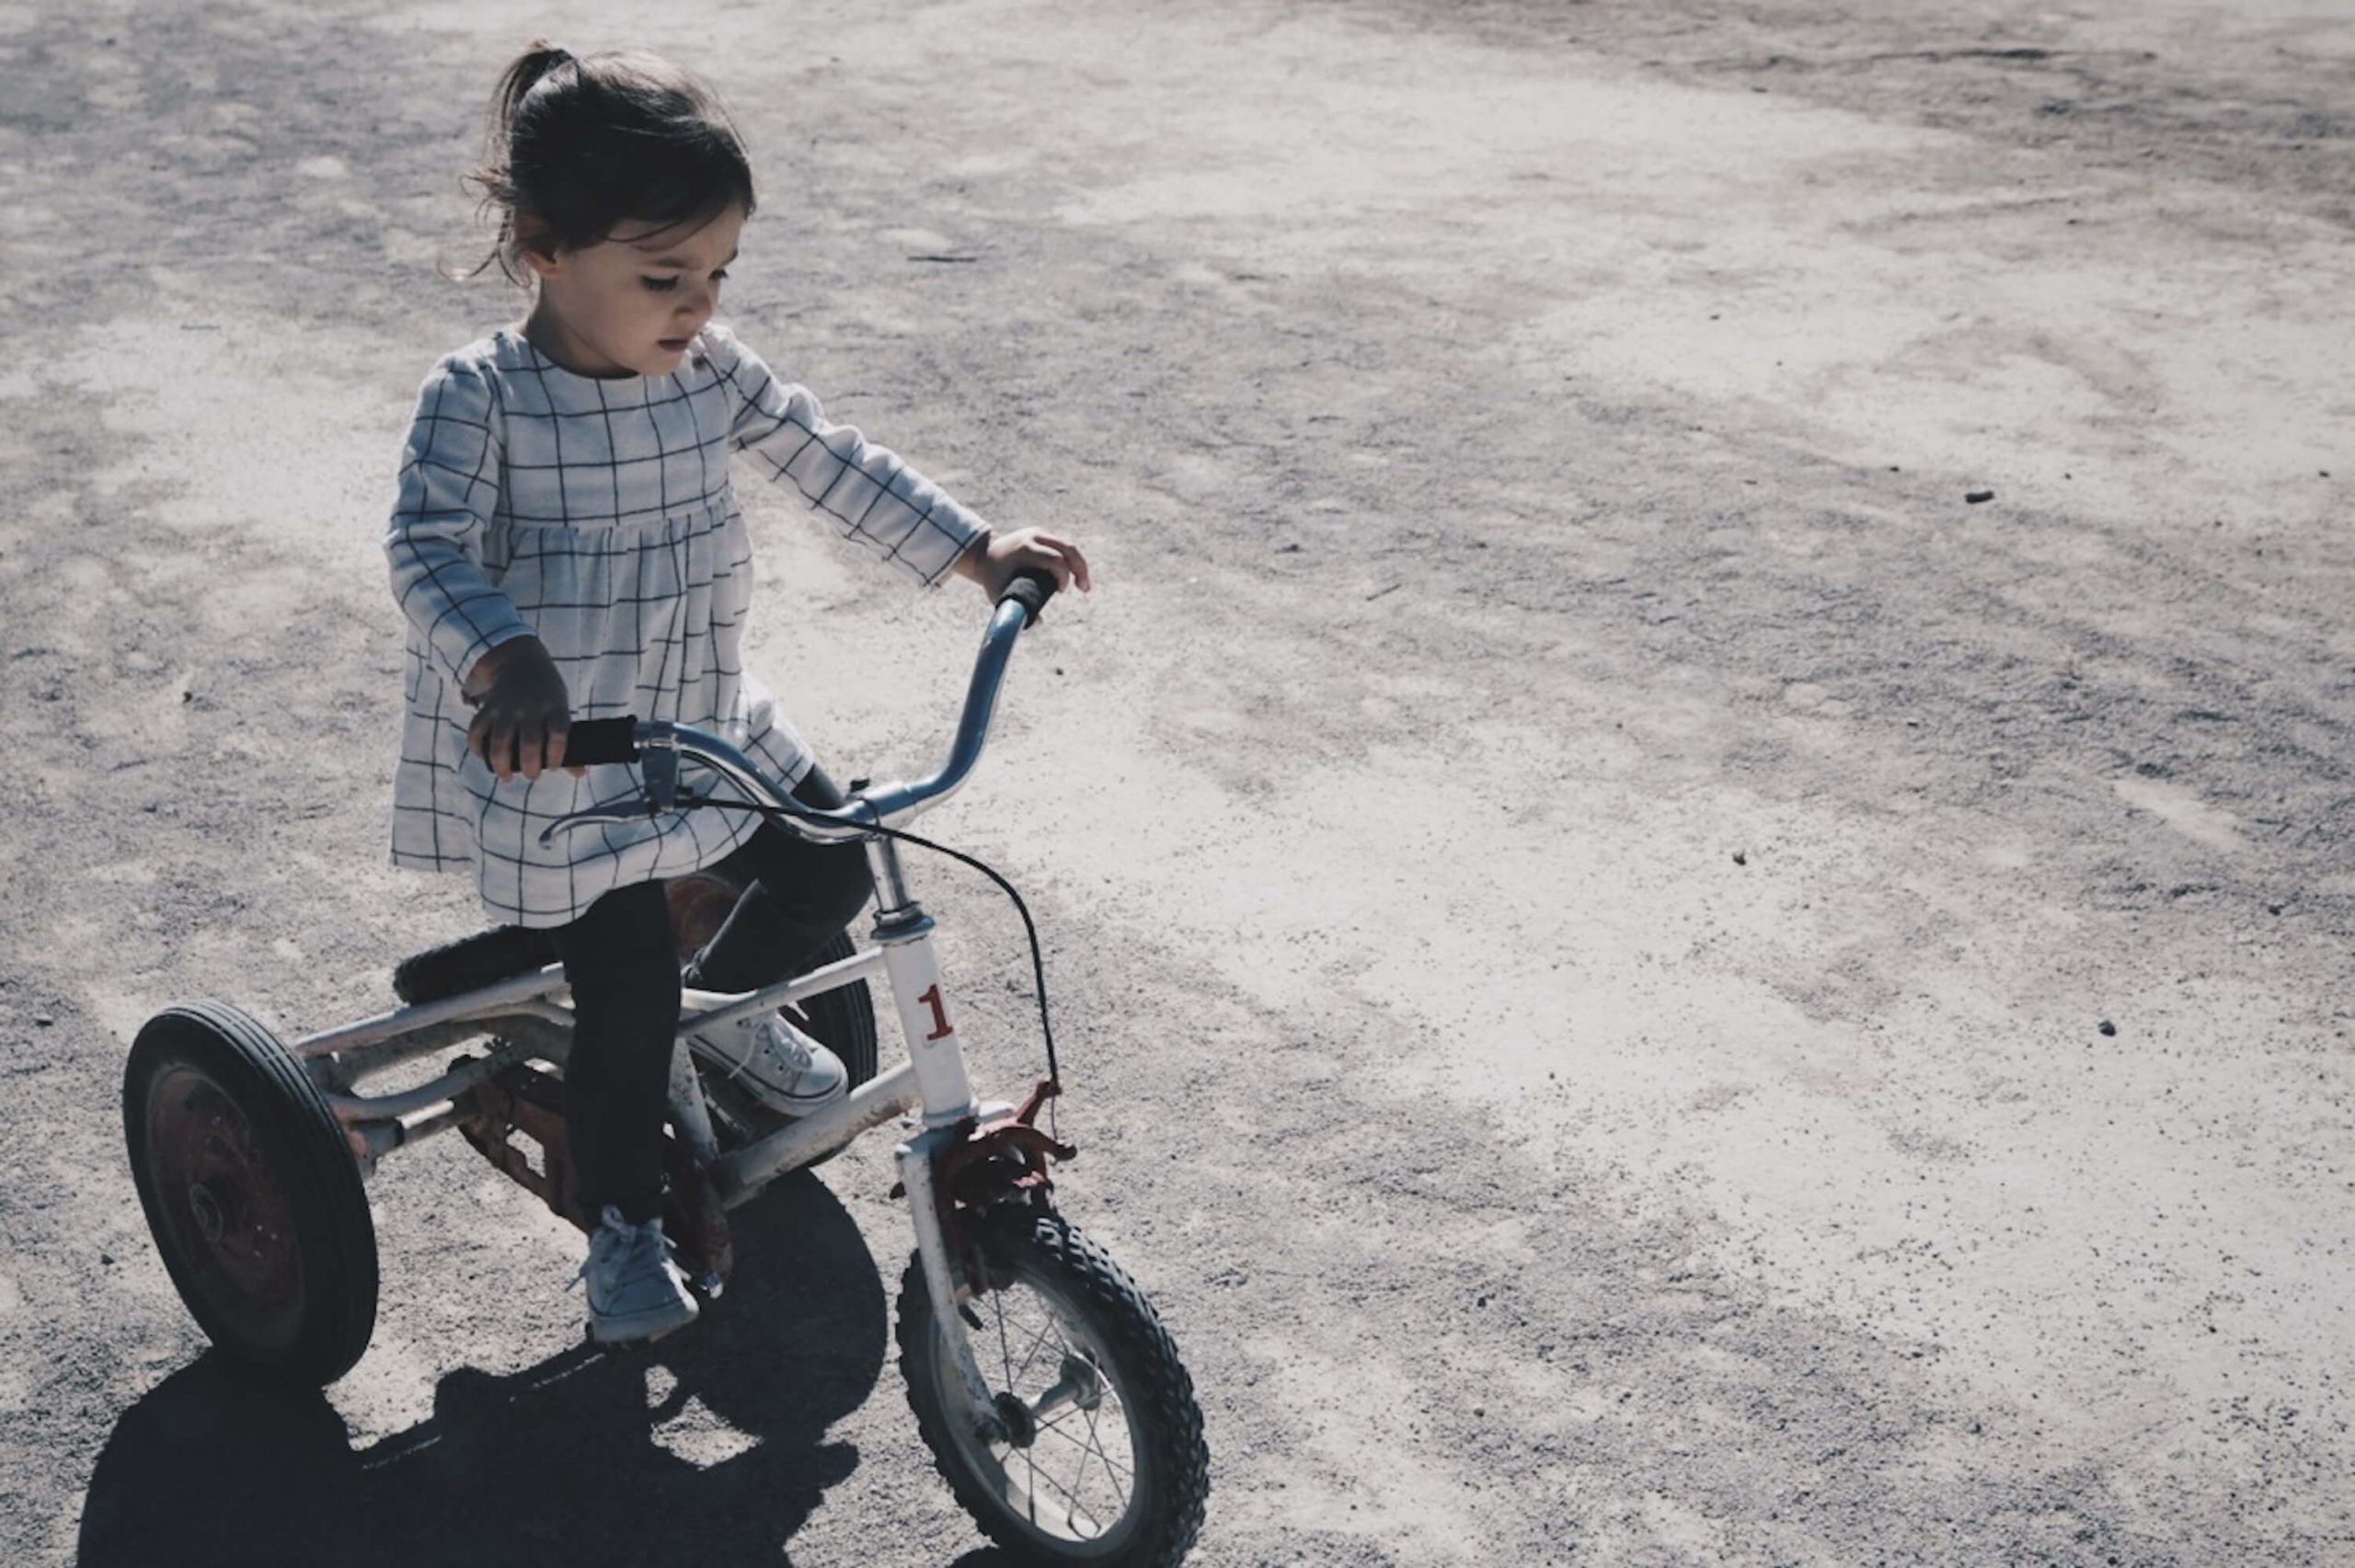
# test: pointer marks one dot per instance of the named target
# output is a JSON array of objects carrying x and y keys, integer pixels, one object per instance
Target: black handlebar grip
[
  {"x": 1032, "y": 589},
  {"x": 593, "y": 740}
]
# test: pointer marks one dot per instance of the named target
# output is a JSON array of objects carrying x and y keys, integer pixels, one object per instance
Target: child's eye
[
  {"x": 660, "y": 286},
  {"x": 720, "y": 276}
]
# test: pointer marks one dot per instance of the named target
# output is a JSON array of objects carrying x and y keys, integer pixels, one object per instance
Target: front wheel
[{"x": 1098, "y": 1456}]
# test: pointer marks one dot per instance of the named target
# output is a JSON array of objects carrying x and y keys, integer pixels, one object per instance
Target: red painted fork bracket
[
  {"x": 968, "y": 1172},
  {"x": 1002, "y": 1159},
  {"x": 1041, "y": 1092}
]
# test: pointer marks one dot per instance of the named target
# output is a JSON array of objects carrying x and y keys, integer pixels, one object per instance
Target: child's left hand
[{"x": 994, "y": 561}]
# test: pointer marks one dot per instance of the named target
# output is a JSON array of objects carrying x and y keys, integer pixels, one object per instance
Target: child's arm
[
  {"x": 877, "y": 499},
  {"x": 449, "y": 487}
]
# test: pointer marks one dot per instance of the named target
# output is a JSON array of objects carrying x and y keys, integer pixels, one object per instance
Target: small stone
[
  {"x": 1741, "y": 857},
  {"x": 43, "y": 1020},
  {"x": 106, "y": 1258},
  {"x": 1975, "y": 497},
  {"x": 2108, "y": 1028}
]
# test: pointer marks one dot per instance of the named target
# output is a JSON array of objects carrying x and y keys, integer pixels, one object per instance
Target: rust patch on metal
[
  {"x": 530, "y": 1101},
  {"x": 996, "y": 1161}
]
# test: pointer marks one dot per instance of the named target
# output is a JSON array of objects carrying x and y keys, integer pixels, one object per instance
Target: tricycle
[{"x": 1053, "y": 1399}]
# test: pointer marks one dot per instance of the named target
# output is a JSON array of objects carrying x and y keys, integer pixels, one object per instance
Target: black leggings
[{"x": 620, "y": 960}]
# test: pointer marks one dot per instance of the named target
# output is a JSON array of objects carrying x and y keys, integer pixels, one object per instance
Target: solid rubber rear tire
[{"x": 251, "y": 1192}]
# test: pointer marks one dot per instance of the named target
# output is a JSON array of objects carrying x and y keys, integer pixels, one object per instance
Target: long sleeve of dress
[
  {"x": 449, "y": 488},
  {"x": 875, "y": 497}
]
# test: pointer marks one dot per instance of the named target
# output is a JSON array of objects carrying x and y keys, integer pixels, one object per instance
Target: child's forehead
[{"x": 694, "y": 239}]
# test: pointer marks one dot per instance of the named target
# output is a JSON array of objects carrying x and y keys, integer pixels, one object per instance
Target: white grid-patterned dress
[{"x": 596, "y": 515}]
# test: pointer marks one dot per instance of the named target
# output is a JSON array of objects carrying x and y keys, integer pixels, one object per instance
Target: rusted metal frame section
[
  {"x": 513, "y": 996},
  {"x": 520, "y": 1034},
  {"x": 506, "y": 996},
  {"x": 739, "y": 1176},
  {"x": 375, "y": 1124},
  {"x": 537, "y": 1032},
  {"x": 518, "y": 1009},
  {"x": 523, "y": 1100},
  {"x": 690, "y": 1111}
]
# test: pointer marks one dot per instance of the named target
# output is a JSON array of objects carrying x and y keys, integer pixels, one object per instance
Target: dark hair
[{"x": 582, "y": 147}]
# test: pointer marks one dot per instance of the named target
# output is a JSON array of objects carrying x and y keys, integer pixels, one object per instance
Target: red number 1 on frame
[{"x": 940, "y": 1029}]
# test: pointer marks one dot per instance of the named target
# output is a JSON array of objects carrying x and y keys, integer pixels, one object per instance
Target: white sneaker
[
  {"x": 635, "y": 1290},
  {"x": 783, "y": 1069}
]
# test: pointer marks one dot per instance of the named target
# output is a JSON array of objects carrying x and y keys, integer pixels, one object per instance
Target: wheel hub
[
  {"x": 1020, "y": 1429},
  {"x": 206, "y": 1209}
]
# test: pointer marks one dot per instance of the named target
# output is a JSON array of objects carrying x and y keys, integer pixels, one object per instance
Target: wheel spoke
[
  {"x": 1095, "y": 1439},
  {"x": 1077, "y": 1506},
  {"x": 1006, "y": 1357},
  {"x": 1123, "y": 1479},
  {"x": 1030, "y": 1355},
  {"x": 1079, "y": 1478}
]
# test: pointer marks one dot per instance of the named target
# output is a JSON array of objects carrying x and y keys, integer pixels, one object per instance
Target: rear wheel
[
  {"x": 251, "y": 1192},
  {"x": 1097, "y": 1457}
]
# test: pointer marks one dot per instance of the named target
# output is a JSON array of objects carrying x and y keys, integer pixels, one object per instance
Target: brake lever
[{"x": 659, "y": 771}]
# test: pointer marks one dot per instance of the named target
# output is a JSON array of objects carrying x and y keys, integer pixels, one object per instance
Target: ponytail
[{"x": 532, "y": 66}]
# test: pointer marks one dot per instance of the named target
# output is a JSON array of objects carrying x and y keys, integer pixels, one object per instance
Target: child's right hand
[{"x": 523, "y": 710}]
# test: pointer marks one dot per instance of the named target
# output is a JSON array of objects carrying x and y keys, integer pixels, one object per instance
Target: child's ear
[{"x": 533, "y": 244}]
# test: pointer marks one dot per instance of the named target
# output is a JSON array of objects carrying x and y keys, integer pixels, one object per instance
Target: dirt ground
[{"x": 1645, "y": 980}]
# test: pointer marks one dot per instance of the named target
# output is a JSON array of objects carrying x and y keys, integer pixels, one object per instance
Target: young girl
[{"x": 565, "y": 545}]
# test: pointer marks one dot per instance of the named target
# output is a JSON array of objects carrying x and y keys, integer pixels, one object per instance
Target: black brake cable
[{"x": 1029, "y": 927}]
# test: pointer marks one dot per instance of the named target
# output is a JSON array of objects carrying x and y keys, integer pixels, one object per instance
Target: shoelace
[
  {"x": 789, "y": 1043},
  {"x": 636, "y": 1239}
]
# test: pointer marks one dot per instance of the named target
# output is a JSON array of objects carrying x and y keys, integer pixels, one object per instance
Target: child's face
[{"x": 628, "y": 305}]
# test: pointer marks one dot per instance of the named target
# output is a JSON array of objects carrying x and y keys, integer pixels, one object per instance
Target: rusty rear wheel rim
[{"x": 225, "y": 1207}]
